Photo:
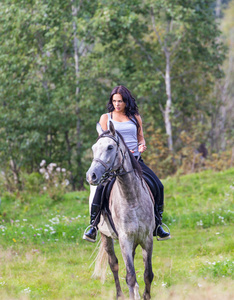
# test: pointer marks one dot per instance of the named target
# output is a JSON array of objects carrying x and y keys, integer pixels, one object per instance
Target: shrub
[
  {"x": 33, "y": 182},
  {"x": 55, "y": 180}
]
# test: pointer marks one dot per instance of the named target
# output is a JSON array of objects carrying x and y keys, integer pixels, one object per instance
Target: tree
[
  {"x": 169, "y": 49},
  {"x": 40, "y": 106}
]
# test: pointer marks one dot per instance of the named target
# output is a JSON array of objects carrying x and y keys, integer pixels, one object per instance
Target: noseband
[{"x": 109, "y": 172}]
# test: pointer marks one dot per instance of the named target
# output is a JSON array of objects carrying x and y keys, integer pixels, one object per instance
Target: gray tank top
[{"x": 128, "y": 130}]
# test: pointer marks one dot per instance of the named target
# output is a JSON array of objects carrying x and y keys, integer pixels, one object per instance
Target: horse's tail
[{"x": 101, "y": 264}]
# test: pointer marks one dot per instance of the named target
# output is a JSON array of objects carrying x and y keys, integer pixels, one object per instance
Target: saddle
[{"x": 150, "y": 183}]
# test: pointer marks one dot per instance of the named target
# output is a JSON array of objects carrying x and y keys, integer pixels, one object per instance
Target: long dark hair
[{"x": 131, "y": 109}]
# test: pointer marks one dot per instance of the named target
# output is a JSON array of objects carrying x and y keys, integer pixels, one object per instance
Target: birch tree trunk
[
  {"x": 75, "y": 11},
  {"x": 168, "y": 102},
  {"x": 167, "y": 78},
  {"x": 218, "y": 8},
  {"x": 224, "y": 96}
]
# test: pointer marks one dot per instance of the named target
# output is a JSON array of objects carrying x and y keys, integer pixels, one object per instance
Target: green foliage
[
  {"x": 7, "y": 196},
  {"x": 50, "y": 100},
  {"x": 32, "y": 183},
  {"x": 39, "y": 109}
]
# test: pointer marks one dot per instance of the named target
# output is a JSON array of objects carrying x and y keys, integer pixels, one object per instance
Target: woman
[{"x": 123, "y": 112}]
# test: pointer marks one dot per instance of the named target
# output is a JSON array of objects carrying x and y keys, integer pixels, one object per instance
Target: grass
[{"x": 43, "y": 256}]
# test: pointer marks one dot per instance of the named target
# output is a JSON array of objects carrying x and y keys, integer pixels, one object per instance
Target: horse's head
[{"x": 106, "y": 155}]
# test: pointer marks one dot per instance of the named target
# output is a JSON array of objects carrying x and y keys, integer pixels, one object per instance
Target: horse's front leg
[
  {"x": 113, "y": 262},
  {"x": 128, "y": 250},
  {"x": 147, "y": 250}
]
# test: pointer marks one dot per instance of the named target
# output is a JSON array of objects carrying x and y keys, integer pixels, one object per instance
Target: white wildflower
[
  {"x": 51, "y": 166},
  {"x": 58, "y": 169},
  {"x": 54, "y": 220},
  {"x": 3, "y": 227},
  {"x": 27, "y": 290},
  {"x": 43, "y": 162},
  {"x": 42, "y": 170},
  {"x": 46, "y": 175},
  {"x": 67, "y": 182},
  {"x": 63, "y": 170}
]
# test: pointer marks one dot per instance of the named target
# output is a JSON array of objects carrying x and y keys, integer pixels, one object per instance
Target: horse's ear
[
  {"x": 99, "y": 128},
  {"x": 112, "y": 128}
]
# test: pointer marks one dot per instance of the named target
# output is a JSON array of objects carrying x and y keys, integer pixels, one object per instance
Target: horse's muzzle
[
  {"x": 94, "y": 175},
  {"x": 91, "y": 177}
]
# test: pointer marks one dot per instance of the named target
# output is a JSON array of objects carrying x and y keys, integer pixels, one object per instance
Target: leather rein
[{"x": 109, "y": 172}]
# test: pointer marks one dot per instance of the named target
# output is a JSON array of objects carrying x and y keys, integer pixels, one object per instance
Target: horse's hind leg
[
  {"x": 148, "y": 274},
  {"x": 113, "y": 262}
]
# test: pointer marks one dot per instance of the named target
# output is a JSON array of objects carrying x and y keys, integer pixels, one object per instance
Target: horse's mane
[{"x": 136, "y": 166}]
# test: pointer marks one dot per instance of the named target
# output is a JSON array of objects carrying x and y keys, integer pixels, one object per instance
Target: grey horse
[{"x": 131, "y": 207}]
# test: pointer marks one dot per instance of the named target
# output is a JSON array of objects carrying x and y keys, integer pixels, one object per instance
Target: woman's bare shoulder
[
  {"x": 103, "y": 121},
  {"x": 104, "y": 117}
]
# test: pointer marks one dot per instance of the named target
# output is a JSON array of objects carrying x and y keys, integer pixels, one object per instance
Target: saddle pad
[{"x": 106, "y": 197}]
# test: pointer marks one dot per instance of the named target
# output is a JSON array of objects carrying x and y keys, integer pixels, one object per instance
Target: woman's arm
[
  {"x": 140, "y": 136},
  {"x": 103, "y": 121}
]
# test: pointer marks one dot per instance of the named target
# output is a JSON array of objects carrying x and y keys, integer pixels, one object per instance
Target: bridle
[{"x": 109, "y": 171}]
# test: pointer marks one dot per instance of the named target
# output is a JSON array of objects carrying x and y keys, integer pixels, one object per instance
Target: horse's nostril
[{"x": 94, "y": 177}]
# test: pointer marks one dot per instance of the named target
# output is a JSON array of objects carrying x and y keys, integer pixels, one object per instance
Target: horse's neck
[
  {"x": 128, "y": 182},
  {"x": 127, "y": 165}
]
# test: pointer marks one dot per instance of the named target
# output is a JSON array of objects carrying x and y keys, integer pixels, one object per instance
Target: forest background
[{"x": 59, "y": 61}]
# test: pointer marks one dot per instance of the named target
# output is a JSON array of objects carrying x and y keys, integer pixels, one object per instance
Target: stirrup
[
  {"x": 85, "y": 237},
  {"x": 161, "y": 239}
]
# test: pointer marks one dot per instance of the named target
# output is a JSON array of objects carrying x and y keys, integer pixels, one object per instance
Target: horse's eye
[{"x": 110, "y": 147}]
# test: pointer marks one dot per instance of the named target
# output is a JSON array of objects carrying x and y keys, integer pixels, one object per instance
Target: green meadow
[{"x": 43, "y": 256}]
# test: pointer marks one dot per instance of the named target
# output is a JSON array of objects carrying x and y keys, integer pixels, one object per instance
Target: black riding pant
[
  {"x": 147, "y": 172},
  {"x": 159, "y": 198}
]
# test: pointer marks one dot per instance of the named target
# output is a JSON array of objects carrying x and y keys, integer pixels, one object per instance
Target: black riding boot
[
  {"x": 159, "y": 231},
  {"x": 94, "y": 220}
]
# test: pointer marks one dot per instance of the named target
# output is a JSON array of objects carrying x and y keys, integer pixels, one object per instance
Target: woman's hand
[{"x": 141, "y": 148}]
